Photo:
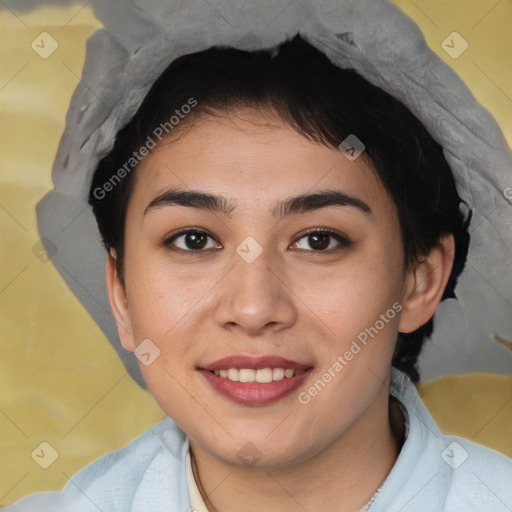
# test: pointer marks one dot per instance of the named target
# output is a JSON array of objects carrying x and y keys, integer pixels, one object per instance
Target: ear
[
  {"x": 118, "y": 302},
  {"x": 425, "y": 284}
]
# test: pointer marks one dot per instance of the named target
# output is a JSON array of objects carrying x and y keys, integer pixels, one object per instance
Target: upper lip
[{"x": 254, "y": 362}]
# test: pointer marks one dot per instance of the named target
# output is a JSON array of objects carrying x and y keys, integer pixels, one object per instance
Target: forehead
[{"x": 252, "y": 157}]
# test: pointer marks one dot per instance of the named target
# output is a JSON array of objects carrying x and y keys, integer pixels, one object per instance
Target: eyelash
[{"x": 343, "y": 241}]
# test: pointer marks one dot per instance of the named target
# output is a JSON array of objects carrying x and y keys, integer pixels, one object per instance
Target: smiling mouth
[
  {"x": 263, "y": 383},
  {"x": 260, "y": 375}
]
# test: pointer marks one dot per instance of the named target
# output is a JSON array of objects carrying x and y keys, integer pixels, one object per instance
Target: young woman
[{"x": 279, "y": 233}]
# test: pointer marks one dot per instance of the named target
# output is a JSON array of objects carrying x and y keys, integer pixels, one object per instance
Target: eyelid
[
  {"x": 170, "y": 238},
  {"x": 341, "y": 238}
]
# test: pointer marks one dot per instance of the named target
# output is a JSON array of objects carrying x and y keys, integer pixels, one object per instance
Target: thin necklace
[
  {"x": 372, "y": 499},
  {"x": 208, "y": 503},
  {"x": 211, "y": 508},
  {"x": 403, "y": 429}
]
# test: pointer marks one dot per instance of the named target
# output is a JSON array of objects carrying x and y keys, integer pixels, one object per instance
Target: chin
[{"x": 259, "y": 452}]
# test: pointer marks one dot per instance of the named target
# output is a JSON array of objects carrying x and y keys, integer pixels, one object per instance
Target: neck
[{"x": 341, "y": 478}]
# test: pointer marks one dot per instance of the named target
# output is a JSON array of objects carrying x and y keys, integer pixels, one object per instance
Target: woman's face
[{"x": 251, "y": 288}]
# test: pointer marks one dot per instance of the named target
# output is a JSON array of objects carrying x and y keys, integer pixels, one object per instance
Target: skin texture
[{"x": 293, "y": 301}]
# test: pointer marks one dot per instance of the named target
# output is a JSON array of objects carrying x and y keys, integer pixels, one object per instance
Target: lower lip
[{"x": 255, "y": 393}]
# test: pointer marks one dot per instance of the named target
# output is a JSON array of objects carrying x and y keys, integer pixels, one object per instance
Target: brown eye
[
  {"x": 322, "y": 240},
  {"x": 190, "y": 240}
]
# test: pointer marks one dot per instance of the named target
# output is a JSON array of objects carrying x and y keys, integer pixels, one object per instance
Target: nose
[{"x": 254, "y": 298}]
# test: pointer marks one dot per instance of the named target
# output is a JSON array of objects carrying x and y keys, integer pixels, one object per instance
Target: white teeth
[
  {"x": 278, "y": 374},
  {"x": 264, "y": 375},
  {"x": 247, "y": 375},
  {"x": 233, "y": 374},
  {"x": 261, "y": 375}
]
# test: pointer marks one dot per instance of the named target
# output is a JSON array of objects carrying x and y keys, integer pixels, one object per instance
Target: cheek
[
  {"x": 352, "y": 297},
  {"x": 163, "y": 305},
  {"x": 161, "y": 296}
]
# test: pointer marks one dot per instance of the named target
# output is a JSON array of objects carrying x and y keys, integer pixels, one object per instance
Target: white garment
[
  {"x": 433, "y": 473},
  {"x": 196, "y": 500},
  {"x": 197, "y": 503}
]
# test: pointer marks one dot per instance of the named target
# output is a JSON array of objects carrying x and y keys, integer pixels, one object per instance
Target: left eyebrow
[
  {"x": 316, "y": 201},
  {"x": 290, "y": 206}
]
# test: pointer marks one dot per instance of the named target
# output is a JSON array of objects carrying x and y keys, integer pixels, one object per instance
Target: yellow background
[{"x": 61, "y": 381}]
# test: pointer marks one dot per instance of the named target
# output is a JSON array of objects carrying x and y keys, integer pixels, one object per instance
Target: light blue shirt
[{"x": 433, "y": 473}]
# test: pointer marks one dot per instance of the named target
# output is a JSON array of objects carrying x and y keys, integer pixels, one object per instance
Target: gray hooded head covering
[{"x": 376, "y": 39}]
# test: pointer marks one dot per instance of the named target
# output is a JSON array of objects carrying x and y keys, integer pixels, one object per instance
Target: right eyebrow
[{"x": 193, "y": 199}]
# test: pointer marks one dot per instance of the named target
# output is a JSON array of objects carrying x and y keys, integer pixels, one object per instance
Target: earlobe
[
  {"x": 425, "y": 285},
  {"x": 118, "y": 302}
]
